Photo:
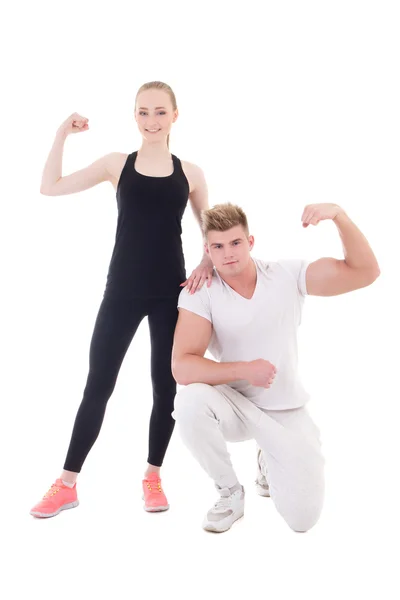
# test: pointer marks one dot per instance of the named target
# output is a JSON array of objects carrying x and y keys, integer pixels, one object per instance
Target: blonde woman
[{"x": 145, "y": 277}]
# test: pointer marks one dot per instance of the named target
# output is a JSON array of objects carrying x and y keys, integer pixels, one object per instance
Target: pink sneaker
[
  {"x": 153, "y": 495},
  {"x": 58, "y": 498}
]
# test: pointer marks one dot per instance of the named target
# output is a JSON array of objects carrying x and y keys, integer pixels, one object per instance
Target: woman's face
[{"x": 154, "y": 114}]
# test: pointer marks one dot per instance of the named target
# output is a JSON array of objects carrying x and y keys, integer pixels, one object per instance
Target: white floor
[{"x": 110, "y": 547}]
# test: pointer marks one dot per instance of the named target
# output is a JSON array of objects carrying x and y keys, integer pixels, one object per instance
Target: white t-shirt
[{"x": 264, "y": 326}]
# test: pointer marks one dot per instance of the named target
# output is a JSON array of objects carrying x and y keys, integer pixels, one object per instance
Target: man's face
[{"x": 229, "y": 250}]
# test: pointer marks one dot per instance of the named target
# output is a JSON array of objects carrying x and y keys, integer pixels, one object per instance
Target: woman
[{"x": 145, "y": 276}]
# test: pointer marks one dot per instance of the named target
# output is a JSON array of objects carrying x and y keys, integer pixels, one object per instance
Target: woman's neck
[{"x": 154, "y": 151}]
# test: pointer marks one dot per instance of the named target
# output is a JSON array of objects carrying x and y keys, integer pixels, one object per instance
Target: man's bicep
[
  {"x": 331, "y": 277},
  {"x": 192, "y": 334}
]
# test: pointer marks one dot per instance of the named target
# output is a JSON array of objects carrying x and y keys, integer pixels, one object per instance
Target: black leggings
[{"x": 115, "y": 327}]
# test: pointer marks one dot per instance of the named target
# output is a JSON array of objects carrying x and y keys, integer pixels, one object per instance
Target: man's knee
[
  {"x": 301, "y": 508},
  {"x": 302, "y": 519},
  {"x": 300, "y": 503},
  {"x": 190, "y": 401}
]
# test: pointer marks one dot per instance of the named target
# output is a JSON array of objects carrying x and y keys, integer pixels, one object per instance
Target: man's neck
[{"x": 244, "y": 283}]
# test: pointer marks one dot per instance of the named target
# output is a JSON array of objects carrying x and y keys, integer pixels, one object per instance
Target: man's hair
[{"x": 223, "y": 217}]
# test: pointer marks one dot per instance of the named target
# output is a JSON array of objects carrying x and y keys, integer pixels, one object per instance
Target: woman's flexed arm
[{"x": 54, "y": 184}]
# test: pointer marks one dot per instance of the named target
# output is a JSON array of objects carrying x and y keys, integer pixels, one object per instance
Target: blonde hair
[
  {"x": 164, "y": 87},
  {"x": 223, "y": 217}
]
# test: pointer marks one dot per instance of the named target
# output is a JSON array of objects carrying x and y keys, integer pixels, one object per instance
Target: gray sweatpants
[{"x": 209, "y": 416}]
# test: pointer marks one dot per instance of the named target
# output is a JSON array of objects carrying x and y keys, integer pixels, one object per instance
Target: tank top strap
[
  {"x": 131, "y": 161},
  {"x": 178, "y": 169}
]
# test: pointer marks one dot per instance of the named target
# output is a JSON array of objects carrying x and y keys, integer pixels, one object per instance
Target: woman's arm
[
  {"x": 103, "y": 169},
  {"x": 198, "y": 197}
]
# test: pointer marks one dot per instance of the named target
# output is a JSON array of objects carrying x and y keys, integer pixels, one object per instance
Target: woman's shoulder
[
  {"x": 191, "y": 167},
  {"x": 115, "y": 164},
  {"x": 116, "y": 160},
  {"x": 194, "y": 174}
]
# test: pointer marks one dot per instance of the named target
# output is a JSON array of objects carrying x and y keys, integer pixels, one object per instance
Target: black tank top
[{"x": 147, "y": 260}]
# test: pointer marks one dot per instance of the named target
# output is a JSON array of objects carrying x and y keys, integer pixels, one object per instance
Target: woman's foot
[
  {"x": 153, "y": 494},
  {"x": 59, "y": 497}
]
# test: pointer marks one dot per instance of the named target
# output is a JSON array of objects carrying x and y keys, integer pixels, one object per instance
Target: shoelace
[
  {"x": 158, "y": 483},
  {"x": 222, "y": 504},
  {"x": 52, "y": 491}
]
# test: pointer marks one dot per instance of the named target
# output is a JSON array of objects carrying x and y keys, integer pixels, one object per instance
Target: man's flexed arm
[
  {"x": 359, "y": 268},
  {"x": 192, "y": 337}
]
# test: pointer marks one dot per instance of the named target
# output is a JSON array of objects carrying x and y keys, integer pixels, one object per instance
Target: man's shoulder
[
  {"x": 200, "y": 297},
  {"x": 282, "y": 265},
  {"x": 267, "y": 267},
  {"x": 198, "y": 303},
  {"x": 202, "y": 294},
  {"x": 293, "y": 270},
  {"x": 204, "y": 298}
]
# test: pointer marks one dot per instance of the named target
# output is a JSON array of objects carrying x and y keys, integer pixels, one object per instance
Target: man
[{"x": 248, "y": 321}]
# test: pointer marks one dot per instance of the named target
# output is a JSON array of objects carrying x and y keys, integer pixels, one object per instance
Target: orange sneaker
[
  {"x": 153, "y": 495},
  {"x": 58, "y": 498}
]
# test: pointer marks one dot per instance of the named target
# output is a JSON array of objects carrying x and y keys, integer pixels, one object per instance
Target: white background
[{"x": 282, "y": 104}]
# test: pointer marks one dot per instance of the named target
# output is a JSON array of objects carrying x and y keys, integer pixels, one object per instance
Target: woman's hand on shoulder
[{"x": 201, "y": 274}]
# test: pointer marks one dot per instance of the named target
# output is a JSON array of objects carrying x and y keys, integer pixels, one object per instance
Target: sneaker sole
[
  {"x": 261, "y": 491},
  {"x": 213, "y": 528},
  {"x": 46, "y": 515},
  {"x": 156, "y": 508}
]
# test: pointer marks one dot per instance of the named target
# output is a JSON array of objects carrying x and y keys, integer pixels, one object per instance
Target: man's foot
[
  {"x": 153, "y": 495},
  {"x": 228, "y": 509},
  {"x": 59, "y": 497},
  {"x": 262, "y": 486}
]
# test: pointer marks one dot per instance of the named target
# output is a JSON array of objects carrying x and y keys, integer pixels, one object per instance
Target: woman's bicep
[{"x": 100, "y": 170}]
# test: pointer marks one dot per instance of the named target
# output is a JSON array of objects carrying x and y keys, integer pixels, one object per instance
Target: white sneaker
[
  {"x": 228, "y": 509},
  {"x": 262, "y": 487}
]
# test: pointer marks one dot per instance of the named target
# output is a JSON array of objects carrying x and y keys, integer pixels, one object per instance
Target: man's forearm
[
  {"x": 357, "y": 251},
  {"x": 197, "y": 369}
]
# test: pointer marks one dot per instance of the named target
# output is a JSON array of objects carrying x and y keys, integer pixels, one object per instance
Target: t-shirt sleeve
[
  {"x": 297, "y": 269},
  {"x": 198, "y": 303}
]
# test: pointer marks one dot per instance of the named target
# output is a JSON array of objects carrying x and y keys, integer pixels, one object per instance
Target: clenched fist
[
  {"x": 74, "y": 124},
  {"x": 260, "y": 373},
  {"x": 314, "y": 213}
]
